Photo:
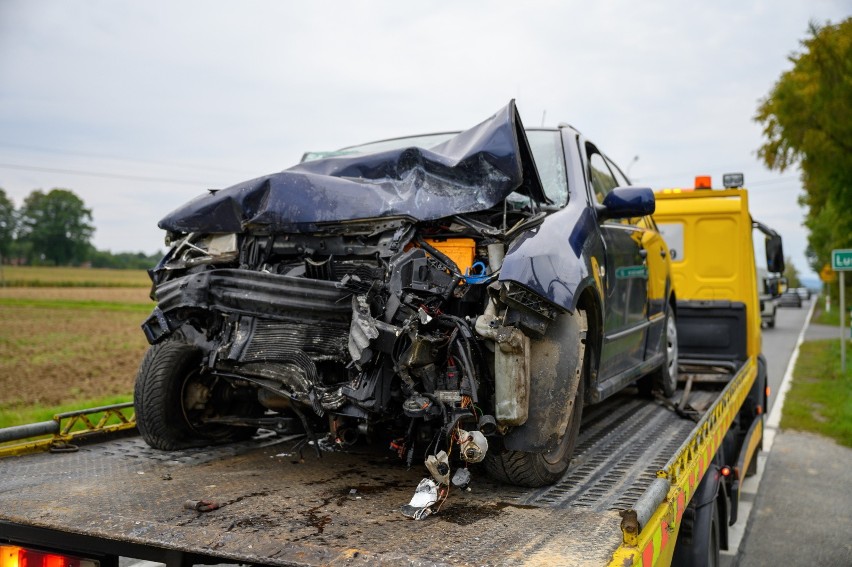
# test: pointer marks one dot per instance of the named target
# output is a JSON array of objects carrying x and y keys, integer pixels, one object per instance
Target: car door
[
  {"x": 626, "y": 282},
  {"x": 657, "y": 261}
]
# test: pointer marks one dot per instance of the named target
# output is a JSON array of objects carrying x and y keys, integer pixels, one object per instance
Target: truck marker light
[
  {"x": 14, "y": 556},
  {"x": 768, "y": 391},
  {"x": 726, "y": 471},
  {"x": 758, "y": 410}
]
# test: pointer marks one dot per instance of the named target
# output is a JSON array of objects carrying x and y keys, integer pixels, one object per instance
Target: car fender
[{"x": 556, "y": 258}]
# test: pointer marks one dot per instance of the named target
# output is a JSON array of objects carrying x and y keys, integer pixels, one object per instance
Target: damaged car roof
[{"x": 473, "y": 171}]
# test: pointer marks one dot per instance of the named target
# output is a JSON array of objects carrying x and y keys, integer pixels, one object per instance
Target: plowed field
[{"x": 61, "y": 345}]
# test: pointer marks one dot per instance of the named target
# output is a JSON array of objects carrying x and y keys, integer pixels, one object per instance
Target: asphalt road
[{"x": 779, "y": 343}]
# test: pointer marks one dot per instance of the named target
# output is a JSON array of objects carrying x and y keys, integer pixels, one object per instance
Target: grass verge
[
  {"x": 820, "y": 398},
  {"x": 821, "y": 317}
]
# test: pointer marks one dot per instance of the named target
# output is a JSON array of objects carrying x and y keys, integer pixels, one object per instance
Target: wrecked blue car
[{"x": 461, "y": 296}]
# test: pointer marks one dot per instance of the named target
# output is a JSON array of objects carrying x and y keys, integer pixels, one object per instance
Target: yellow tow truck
[
  {"x": 653, "y": 481},
  {"x": 710, "y": 236}
]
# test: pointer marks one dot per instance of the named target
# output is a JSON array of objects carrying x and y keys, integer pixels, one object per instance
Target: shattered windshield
[{"x": 546, "y": 146}]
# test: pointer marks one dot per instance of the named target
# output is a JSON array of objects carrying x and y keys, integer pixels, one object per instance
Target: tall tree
[
  {"x": 7, "y": 225},
  {"x": 56, "y": 226},
  {"x": 791, "y": 273},
  {"x": 807, "y": 120}
]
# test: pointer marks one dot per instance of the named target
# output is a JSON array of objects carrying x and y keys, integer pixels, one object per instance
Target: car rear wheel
[
  {"x": 664, "y": 379},
  {"x": 667, "y": 375},
  {"x": 173, "y": 398}
]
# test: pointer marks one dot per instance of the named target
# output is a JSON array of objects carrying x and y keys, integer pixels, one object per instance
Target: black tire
[
  {"x": 664, "y": 379},
  {"x": 771, "y": 322},
  {"x": 168, "y": 370},
  {"x": 521, "y": 468},
  {"x": 699, "y": 540},
  {"x": 714, "y": 542}
]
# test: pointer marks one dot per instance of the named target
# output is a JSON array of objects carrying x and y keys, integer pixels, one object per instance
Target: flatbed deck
[{"x": 279, "y": 509}]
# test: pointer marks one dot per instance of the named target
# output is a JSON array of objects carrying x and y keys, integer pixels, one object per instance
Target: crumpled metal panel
[{"x": 471, "y": 172}]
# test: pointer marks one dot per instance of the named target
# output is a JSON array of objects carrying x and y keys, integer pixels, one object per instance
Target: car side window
[
  {"x": 620, "y": 178},
  {"x": 602, "y": 179}
]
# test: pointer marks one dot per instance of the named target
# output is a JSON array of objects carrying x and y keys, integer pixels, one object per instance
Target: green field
[
  {"x": 820, "y": 399},
  {"x": 29, "y": 276}
]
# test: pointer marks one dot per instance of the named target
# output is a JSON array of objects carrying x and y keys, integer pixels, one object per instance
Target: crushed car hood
[{"x": 471, "y": 172}]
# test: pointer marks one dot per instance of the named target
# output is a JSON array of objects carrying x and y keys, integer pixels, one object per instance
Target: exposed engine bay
[{"x": 386, "y": 323}]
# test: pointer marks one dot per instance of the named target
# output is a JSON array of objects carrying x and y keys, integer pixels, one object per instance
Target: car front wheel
[
  {"x": 523, "y": 468},
  {"x": 173, "y": 398}
]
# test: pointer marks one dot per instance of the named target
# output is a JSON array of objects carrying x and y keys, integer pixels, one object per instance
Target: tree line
[
  {"x": 807, "y": 121},
  {"x": 55, "y": 228}
]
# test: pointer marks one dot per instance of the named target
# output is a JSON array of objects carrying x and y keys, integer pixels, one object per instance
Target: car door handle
[{"x": 662, "y": 253}]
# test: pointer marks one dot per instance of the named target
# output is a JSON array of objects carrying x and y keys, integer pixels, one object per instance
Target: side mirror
[
  {"x": 774, "y": 254},
  {"x": 626, "y": 202}
]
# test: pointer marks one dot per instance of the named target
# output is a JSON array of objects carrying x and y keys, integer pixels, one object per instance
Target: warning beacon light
[{"x": 703, "y": 182}]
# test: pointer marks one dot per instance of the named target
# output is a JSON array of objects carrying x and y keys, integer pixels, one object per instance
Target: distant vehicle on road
[
  {"x": 790, "y": 298},
  {"x": 804, "y": 293},
  {"x": 768, "y": 290}
]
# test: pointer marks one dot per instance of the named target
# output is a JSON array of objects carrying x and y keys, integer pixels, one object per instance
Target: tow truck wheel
[
  {"x": 701, "y": 547},
  {"x": 521, "y": 468},
  {"x": 171, "y": 398}
]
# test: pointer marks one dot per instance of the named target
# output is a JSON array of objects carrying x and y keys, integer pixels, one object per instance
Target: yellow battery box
[{"x": 460, "y": 250}]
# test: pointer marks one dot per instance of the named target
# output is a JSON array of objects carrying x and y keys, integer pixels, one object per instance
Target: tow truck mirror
[
  {"x": 774, "y": 254},
  {"x": 627, "y": 202}
]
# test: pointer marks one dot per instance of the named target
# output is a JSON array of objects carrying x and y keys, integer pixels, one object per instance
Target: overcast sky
[{"x": 139, "y": 106}]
